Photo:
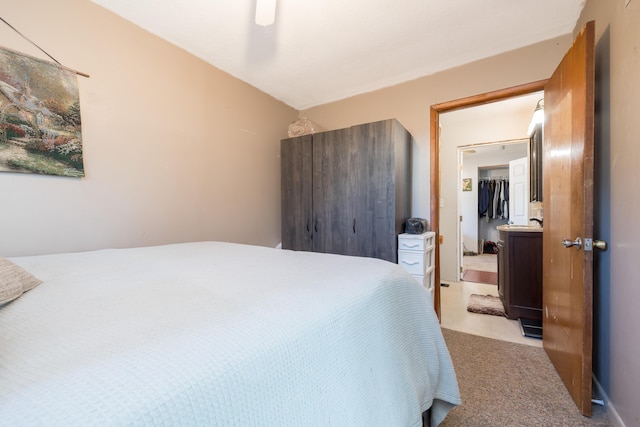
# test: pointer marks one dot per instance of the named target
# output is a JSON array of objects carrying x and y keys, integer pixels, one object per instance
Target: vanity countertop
[{"x": 515, "y": 227}]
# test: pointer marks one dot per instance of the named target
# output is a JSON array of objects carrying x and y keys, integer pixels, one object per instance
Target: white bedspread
[{"x": 219, "y": 334}]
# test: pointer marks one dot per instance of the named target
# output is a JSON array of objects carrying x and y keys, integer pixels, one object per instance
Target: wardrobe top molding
[{"x": 352, "y": 126}]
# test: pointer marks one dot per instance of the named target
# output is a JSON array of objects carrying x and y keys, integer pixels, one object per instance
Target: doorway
[
  {"x": 484, "y": 170},
  {"x": 477, "y": 145},
  {"x": 568, "y": 135},
  {"x": 480, "y": 110},
  {"x": 488, "y": 136}
]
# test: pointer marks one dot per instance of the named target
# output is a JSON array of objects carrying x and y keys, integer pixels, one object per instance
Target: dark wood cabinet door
[
  {"x": 520, "y": 274},
  {"x": 383, "y": 176},
  {"x": 403, "y": 175},
  {"x": 333, "y": 183},
  {"x": 526, "y": 294},
  {"x": 296, "y": 187}
]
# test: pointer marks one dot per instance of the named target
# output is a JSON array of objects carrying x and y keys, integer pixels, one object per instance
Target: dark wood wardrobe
[{"x": 347, "y": 191}]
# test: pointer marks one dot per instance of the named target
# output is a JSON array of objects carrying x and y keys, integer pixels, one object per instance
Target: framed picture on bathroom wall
[{"x": 466, "y": 184}]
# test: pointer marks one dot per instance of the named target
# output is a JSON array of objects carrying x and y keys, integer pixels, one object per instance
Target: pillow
[{"x": 14, "y": 281}]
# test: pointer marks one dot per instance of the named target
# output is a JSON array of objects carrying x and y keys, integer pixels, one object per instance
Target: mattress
[{"x": 221, "y": 334}]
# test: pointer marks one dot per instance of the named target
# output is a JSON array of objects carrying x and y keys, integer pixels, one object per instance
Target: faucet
[{"x": 538, "y": 220}]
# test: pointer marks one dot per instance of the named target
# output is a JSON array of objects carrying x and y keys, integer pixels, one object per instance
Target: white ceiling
[{"x": 325, "y": 50}]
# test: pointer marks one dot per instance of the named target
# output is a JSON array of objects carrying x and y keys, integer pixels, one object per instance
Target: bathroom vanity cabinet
[{"x": 520, "y": 271}]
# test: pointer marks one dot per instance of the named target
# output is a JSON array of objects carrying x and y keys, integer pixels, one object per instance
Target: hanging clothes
[
  {"x": 492, "y": 194},
  {"x": 497, "y": 200},
  {"x": 483, "y": 197},
  {"x": 493, "y": 198},
  {"x": 505, "y": 200}
]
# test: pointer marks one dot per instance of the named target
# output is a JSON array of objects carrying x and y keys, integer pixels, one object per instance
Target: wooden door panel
[
  {"x": 332, "y": 205},
  {"x": 375, "y": 204},
  {"x": 382, "y": 167},
  {"x": 568, "y": 207},
  {"x": 296, "y": 175},
  {"x": 362, "y": 169}
]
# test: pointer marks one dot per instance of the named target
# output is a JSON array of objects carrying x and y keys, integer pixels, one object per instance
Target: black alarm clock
[{"x": 416, "y": 226}]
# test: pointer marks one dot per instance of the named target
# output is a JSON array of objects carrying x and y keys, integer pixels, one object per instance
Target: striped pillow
[{"x": 14, "y": 281}]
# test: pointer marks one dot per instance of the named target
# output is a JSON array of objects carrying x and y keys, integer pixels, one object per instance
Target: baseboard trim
[{"x": 612, "y": 414}]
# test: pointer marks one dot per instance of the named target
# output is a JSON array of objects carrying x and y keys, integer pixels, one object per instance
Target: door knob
[
  {"x": 589, "y": 244},
  {"x": 568, "y": 243},
  {"x": 600, "y": 244}
]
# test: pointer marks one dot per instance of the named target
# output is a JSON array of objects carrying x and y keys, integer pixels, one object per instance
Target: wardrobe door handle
[
  {"x": 354, "y": 226},
  {"x": 315, "y": 226},
  {"x": 308, "y": 228}
]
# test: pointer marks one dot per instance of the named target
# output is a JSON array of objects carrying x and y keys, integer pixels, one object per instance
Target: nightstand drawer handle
[
  {"x": 415, "y": 245},
  {"x": 411, "y": 263}
]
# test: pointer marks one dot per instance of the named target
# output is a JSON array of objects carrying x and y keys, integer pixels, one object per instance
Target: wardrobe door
[
  {"x": 296, "y": 185},
  {"x": 403, "y": 175},
  {"x": 332, "y": 201},
  {"x": 382, "y": 168}
]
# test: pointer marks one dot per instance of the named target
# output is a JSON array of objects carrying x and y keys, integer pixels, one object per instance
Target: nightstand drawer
[
  {"x": 413, "y": 262},
  {"x": 411, "y": 243}
]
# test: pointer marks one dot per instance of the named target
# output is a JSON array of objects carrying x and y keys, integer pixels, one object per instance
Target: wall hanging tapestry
[{"x": 40, "y": 127}]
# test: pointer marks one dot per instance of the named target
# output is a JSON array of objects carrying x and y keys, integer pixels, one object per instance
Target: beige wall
[
  {"x": 617, "y": 207},
  {"x": 175, "y": 150}
]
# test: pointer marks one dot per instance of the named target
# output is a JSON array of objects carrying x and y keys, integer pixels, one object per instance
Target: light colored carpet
[{"x": 509, "y": 384}]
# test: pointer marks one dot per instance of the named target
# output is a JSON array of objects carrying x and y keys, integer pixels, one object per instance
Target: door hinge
[{"x": 460, "y": 218}]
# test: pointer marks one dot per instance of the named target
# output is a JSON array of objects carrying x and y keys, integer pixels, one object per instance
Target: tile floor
[
  {"x": 454, "y": 314},
  {"x": 483, "y": 262}
]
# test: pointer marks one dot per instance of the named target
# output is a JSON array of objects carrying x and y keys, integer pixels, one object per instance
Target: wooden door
[
  {"x": 332, "y": 201},
  {"x": 568, "y": 215},
  {"x": 296, "y": 203}
]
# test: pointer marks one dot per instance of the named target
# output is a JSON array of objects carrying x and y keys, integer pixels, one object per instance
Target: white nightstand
[{"x": 416, "y": 255}]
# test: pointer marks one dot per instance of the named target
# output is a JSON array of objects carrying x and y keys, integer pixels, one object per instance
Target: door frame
[{"x": 434, "y": 153}]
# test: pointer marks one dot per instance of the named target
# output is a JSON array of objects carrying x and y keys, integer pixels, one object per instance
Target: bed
[{"x": 221, "y": 334}]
